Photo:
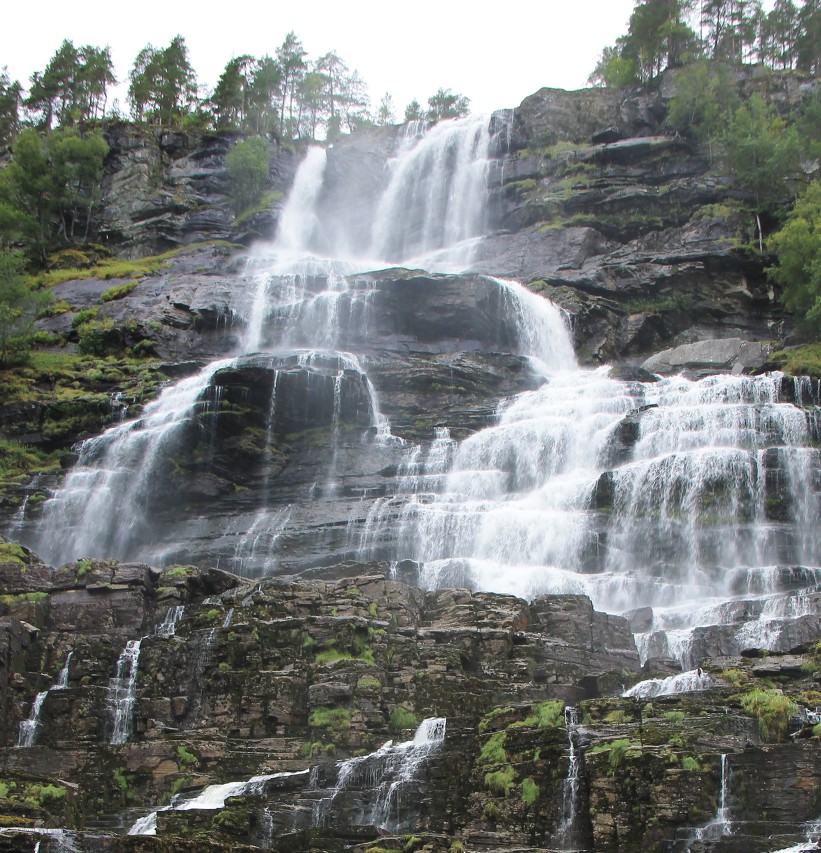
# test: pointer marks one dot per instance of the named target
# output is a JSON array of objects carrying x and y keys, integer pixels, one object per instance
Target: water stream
[
  {"x": 122, "y": 693},
  {"x": 693, "y": 507}
]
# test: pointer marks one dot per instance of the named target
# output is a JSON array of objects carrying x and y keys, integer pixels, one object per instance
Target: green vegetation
[
  {"x": 332, "y": 719},
  {"x": 799, "y": 361},
  {"x": 530, "y": 791},
  {"x": 22, "y": 598},
  {"x": 674, "y": 716},
  {"x": 11, "y": 552},
  {"x": 798, "y": 246},
  {"x": 689, "y": 763},
  {"x": 616, "y": 748},
  {"x": 501, "y": 781},
  {"x": 547, "y": 715},
  {"x": 185, "y": 757},
  {"x": 247, "y": 168},
  {"x": 401, "y": 718},
  {"x": 493, "y": 750},
  {"x": 117, "y": 292},
  {"x": 772, "y": 709},
  {"x": 20, "y": 305}
]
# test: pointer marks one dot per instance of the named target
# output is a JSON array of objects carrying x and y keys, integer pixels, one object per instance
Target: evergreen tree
[
  {"x": 445, "y": 104},
  {"x": 10, "y": 97},
  {"x": 19, "y": 306},
  {"x": 798, "y": 248},
  {"x": 163, "y": 85},
  {"x": 291, "y": 58},
  {"x": 385, "y": 114},
  {"x": 414, "y": 111}
]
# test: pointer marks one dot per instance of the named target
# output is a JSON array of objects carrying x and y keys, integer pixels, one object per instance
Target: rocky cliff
[
  {"x": 295, "y": 650},
  {"x": 301, "y": 687}
]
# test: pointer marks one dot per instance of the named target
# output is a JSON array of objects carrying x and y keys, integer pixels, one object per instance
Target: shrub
[{"x": 772, "y": 709}]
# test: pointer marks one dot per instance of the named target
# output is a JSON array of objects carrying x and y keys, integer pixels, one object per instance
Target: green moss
[
  {"x": 47, "y": 794},
  {"x": 689, "y": 763},
  {"x": 178, "y": 572},
  {"x": 617, "y": 716},
  {"x": 491, "y": 716},
  {"x": 22, "y": 598},
  {"x": 367, "y": 683},
  {"x": 493, "y": 750},
  {"x": 491, "y": 812},
  {"x": 185, "y": 758},
  {"x": 10, "y": 552},
  {"x": 117, "y": 292},
  {"x": 547, "y": 715},
  {"x": 212, "y": 614},
  {"x": 530, "y": 791},
  {"x": 501, "y": 781},
  {"x": 674, "y": 716},
  {"x": 772, "y": 709},
  {"x": 373, "y": 610},
  {"x": 332, "y": 719},
  {"x": 799, "y": 361},
  {"x": 401, "y": 718}
]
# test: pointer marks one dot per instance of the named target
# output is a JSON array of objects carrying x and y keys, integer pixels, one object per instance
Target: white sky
[{"x": 495, "y": 54}]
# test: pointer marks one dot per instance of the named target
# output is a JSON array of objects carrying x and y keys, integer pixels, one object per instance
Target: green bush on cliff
[
  {"x": 530, "y": 791},
  {"x": 493, "y": 751},
  {"x": 401, "y": 718},
  {"x": 332, "y": 719},
  {"x": 501, "y": 781},
  {"x": 772, "y": 709},
  {"x": 247, "y": 168}
]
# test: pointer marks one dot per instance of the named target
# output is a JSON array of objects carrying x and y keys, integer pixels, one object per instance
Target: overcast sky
[{"x": 495, "y": 54}]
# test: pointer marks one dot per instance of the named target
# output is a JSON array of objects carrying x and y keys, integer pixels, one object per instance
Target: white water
[
  {"x": 638, "y": 495},
  {"x": 123, "y": 692},
  {"x": 168, "y": 627},
  {"x": 211, "y": 798},
  {"x": 721, "y": 825},
  {"x": 570, "y": 788},
  {"x": 682, "y": 682},
  {"x": 28, "y": 728},
  {"x": 381, "y": 778}
]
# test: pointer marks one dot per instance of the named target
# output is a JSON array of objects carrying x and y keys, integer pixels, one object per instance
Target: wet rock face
[
  {"x": 300, "y": 686},
  {"x": 163, "y": 189}
]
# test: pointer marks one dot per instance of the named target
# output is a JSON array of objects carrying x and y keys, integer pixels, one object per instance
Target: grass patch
[
  {"x": 772, "y": 709},
  {"x": 530, "y": 791},
  {"x": 117, "y": 292},
  {"x": 493, "y": 751},
  {"x": 501, "y": 781},
  {"x": 401, "y": 718},
  {"x": 799, "y": 361},
  {"x": 547, "y": 715},
  {"x": 332, "y": 719}
]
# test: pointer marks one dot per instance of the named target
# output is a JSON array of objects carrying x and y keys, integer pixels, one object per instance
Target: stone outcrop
[{"x": 287, "y": 683}]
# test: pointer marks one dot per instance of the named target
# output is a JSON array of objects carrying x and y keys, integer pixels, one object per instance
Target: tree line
[
  {"x": 670, "y": 33},
  {"x": 773, "y": 154},
  {"x": 287, "y": 94}
]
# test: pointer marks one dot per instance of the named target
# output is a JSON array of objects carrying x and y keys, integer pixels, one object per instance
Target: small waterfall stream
[
  {"x": 566, "y": 833},
  {"x": 28, "y": 728},
  {"x": 123, "y": 693}
]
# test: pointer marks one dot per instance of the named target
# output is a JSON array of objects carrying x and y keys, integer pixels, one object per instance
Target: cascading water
[
  {"x": 123, "y": 692},
  {"x": 721, "y": 825},
  {"x": 168, "y": 627},
  {"x": 570, "y": 789},
  {"x": 691, "y": 506},
  {"x": 28, "y": 728},
  {"x": 380, "y": 779},
  {"x": 682, "y": 682}
]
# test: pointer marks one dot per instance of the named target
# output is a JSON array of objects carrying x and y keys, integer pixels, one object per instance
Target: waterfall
[
  {"x": 211, "y": 798},
  {"x": 435, "y": 200},
  {"x": 62, "y": 678},
  {"x": 100, "y": 508},
  {"x": 168, "y": 627},
  {"x": 721, "y": 825},
  {"x": 123, "y": 692},
  {"x": 28, "y": 728},
  {"x": 570, "y": 788},
  {"x": 381, "y": 778},
  {"x": 682, "y": 682}
]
